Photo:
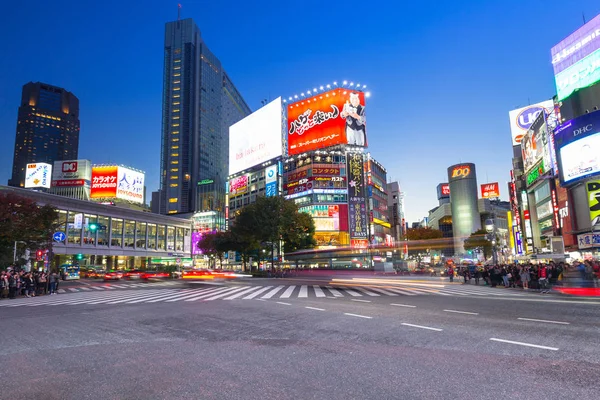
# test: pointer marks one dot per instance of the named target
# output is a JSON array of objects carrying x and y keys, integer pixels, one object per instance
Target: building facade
[
  {"x": 199, "y": 104},
  {"x": 462, "y": 179},
  {"x": 380, "y": 227},
  {"x": 47, "y": 128},
  {"x": 396, "y": 210}
]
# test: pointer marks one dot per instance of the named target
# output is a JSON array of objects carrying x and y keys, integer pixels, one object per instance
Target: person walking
[
  {"x": 543, "y": 279},
  {"x": 53, "y": 279},
  {"x": 451, "y": 273},
  {"x": 3, "y": 285},
  {"x": 12, "y": 285},
  {"x": 477, "y": 275},
  {"x": 525, "y": 277}
]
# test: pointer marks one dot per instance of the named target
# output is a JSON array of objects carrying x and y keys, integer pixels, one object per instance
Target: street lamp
[{"x": 490, "y": 228}]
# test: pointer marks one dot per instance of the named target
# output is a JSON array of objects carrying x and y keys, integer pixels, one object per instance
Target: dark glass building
[
  {"x": 200, "y": 103},
  {"x": 47, "y": 128}
]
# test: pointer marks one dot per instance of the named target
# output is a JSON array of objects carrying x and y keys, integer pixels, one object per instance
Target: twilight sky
[{"x": 442, "y": 79}]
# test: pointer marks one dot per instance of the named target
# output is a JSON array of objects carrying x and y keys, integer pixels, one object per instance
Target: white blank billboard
[
  {"x": 130, "y": 185},
  {"x": 257, "y": 138},
  {"x": 38, "y": 175}
]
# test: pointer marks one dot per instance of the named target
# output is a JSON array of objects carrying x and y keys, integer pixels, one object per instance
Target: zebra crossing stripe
[
  {"x": 119, "y": 286},
  {"x": 112, "y": 296},
  {"x": 253, "y": 295},
  {"x": 160, "y": 296},
  {"x": 198, "y": 293},
  {"x": 318, "y": 291},
  {"x": 367, "y": 292},
  {"x": 73, "y": 289},
  {"x": 288, "y": 292},
  {"x": 303, "y": 291},
  {"x": 351, "y": 292},
  {"x": 97, "y": 288},
  {"x": 139, "y": 295},
  {"x": 243, "y": 292},
  {"x": 334, "y": 292},
  {"x": 83, "y": 288},
  {"x": 221, "y": 289},
  {"x": 405, "y": 292},
  {"x": 107, "y": 287},
  {"x": 272, "y": 292},
  {"x": 174, "y": 296},
  {"x": 226, "y": 293},
  {"x": 386, "y": 292}
]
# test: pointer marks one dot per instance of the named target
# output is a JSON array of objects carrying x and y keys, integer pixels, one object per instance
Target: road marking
[
  {"x": 173, "y": 296},
  {"x": 406, "y": 292},
  {"x": 351, "y": 292},
  {"x": 83, "y": 288},
  {"x": 97, "y": 287},
  {"x": 227, "y": 293},
  {"x": 388, "y": 293},
  {"x": 367, "y": 292},
  {"x": 315, "y": 308},
  {"x": 107, "y": 287},
  {"x": 402, "y": 305},
  {"x": 524, "y": 344},
  {"x": 462, "y": 312},
  {"x": 242, "y": 293},
  {"x": 259, "y": 291},
  {"x": 119, "y": 286},
  {"x": 272, "y": 292},
  {"x": 303, "y": 291},
  {"x": 203, "y": 293},
  {"x": 422, "y": 327},
  {"x": 288, "y": 292},
  {"x": 334, "y": 292},
  {"x": 281, "y": 302},
  {"x": 362, "y": 301},
  {"x": 318, "y": 291},
  {"x": 63, "y": 290},
  {"x": 73, "y": 289},
  {"x": 545, "y": 320},
  {"x": 357, "y": 315}
]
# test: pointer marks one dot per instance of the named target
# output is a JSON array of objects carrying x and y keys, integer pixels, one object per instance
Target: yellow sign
[
  {"x": 593, "y": 192},
  {"x": 382, "y": 223}
]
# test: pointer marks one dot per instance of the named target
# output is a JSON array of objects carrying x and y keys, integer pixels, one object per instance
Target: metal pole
[{"x": 15, "y": 255}]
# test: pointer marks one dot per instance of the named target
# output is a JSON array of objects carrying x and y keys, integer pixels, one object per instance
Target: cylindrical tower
[{"x": 462, "y": 179}]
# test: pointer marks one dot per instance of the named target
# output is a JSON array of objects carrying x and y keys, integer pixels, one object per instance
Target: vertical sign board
[
  {"x": 593, "y": 192},
  {"x": 271, "y": 181},
  {"x": 357, "y": 210}
]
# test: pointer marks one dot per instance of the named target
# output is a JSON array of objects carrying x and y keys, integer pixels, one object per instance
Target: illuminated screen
[
  {"x": 256, "y": 138},
  {"x": 581, "y": 158},
  {"x": 327, "y": 119},
  {"x": 582, "y": 74}
]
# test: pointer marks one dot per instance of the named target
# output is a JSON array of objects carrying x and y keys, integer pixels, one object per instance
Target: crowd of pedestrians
[
  {"x": 530, "y": 276},
  {"x": 15, "y": 284}
]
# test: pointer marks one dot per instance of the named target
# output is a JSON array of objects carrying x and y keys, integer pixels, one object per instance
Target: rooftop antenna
[
  {"x": 583, "y": 15},
  {"x": 179, "y": 12}
]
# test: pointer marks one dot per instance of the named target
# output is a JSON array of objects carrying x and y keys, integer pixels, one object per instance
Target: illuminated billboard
[
  {"x": 71, "y": 173},
  {"x": 443, "y": 191},
  {"x": 238, "y": 185},
  {"x": 578, "y": 144},
  {"x": 357, "y": 210},
  {"x": 327, "y": 119},
  {"x": 490, "y": 190},
  {"x": 38, "y": 175},
  {"x": 256, "y": 138},
  {"x": 537, "y": 145},
  {"x": 593, "y": 193},
  {"x": 116, "y": 182},
  {"x": 576, "y": 59},
  {"x": 521, "y": 119},
  {"x": 130, "y": 185}
]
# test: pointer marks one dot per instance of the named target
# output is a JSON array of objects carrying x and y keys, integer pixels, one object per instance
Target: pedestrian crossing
[
  {"x": 246, "y": 292},
  {"x": 113, "y": 286}
]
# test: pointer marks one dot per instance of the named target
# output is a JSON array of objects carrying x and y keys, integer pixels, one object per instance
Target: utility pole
[{"x": 178, "y": 11}]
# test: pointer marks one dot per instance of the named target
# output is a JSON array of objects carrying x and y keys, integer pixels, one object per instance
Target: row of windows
[{"x": 122, "y": 233}]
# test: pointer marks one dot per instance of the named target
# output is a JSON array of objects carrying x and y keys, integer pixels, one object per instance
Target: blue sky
[{"x": 442, "y": 78}]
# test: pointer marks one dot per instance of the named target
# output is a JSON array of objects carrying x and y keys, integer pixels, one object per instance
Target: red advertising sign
[
  {"x": 104, "y": 182},
  {"x": 446, "y": 189},
  {"x": 490, "y": 190},
  {"x": 359, "y": 243},
  {"x": 327, "y": 119},
  {"x": 238, "y": 185}
]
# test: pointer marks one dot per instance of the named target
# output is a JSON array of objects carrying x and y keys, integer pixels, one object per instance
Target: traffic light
[
  {"x": 39, "y": 254},
  {"x": 93, "y": 227},
  {"x": 79, "y": 257}
]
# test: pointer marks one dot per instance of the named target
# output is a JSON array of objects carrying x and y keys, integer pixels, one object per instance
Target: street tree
[
  {"x": 478, "y": 241},
  {"x": 25, "y": 222},
  {"x": 423, "y": 233}
]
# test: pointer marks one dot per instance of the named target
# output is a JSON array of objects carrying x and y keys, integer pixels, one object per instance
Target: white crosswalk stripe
[{"x": 104, "y": 294}]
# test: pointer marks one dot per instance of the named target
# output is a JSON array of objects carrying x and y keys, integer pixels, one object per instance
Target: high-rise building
[
  {"x": 396, "y": 209},
  {"x": 200, "y": 103},
  {"x": 47, "y": 128}
]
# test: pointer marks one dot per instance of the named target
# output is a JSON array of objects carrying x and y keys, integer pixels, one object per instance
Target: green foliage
[
  {"x": 423, "y": 234},
  {"x": 24, "y": 221},
  {"x": 478, "y": 241}
]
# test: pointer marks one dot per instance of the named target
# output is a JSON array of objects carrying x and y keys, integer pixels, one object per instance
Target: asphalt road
[{"x": 379, "y": 347}]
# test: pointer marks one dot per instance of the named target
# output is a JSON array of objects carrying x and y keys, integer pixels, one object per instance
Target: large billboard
[
  {"x": 116, "y": 182},
  {"x": 521, "y": 119},
  {"x": 578, "y": 142},
  {"x": 576, "y": 59},
  {"x": 443, "y": 191},
  {"x": 71, "y": 173},
  {"x": 357, "y": 209},
  {"x": 537, "y": 145},
  {"x": 327, "y": 119},
  {"x": 38, "y": 175},
  {"x": 256, "y": 138},
  {"x": 593, "y": 193},
  {"x": 238, "y": 185},
  {"x": 130, "y": 185},
  {"x": 490, "y": 190}
]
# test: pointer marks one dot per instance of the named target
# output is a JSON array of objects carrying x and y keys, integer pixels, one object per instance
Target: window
[
  {"x": 152, "y": 236},
  {"x": 173, "y": 200},
  {"x": 73, "y": 233},
  {"x": 175, "y": 140},
  {"x": 176, "y": 96},
  {"x": 141, "y": 235},
  {"x": 175, "y": 117},
  {"x": 174, "y": 125},
  {"x": 174, "y": 184},
  {"x": 129, "y": 238},
  {"x": 179, "y": 245},
  {"x": 176, "y": 82},
  {"x": 175, "y": 177},
  {"x": 161, "y": 242},
  {"x": 89, "y": 236},
  {"x": 177, "y": 74},
  {"x": 176, "y": 103},
  {"x": 174, "y": 147},
  {"x": 103, "y": 231},
  {"x": 175, "y": 162},
  {"x": 175, "y": 132},
  {"x": 177, "y": 68},
  {"x": 116, "y": 232},
  {"x": 170, "y": 238},
  {"x": 174, "y": 154},
  {"x": 176, "y": 89},
  {"x": 174, "y": 169}
]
